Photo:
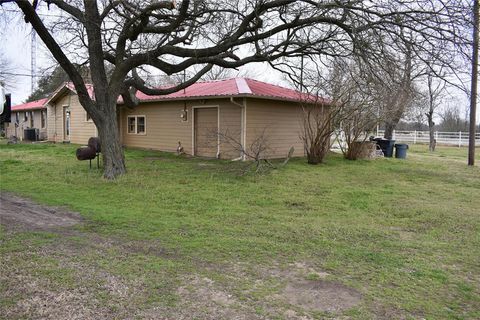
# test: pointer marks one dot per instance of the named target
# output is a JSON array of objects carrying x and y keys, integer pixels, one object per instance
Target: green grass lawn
[{"x": 405, "y": 234}]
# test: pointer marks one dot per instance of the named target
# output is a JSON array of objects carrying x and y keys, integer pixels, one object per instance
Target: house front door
[
  {"x": 66, "y": 124},
  {"x": 206, "y": 132}
]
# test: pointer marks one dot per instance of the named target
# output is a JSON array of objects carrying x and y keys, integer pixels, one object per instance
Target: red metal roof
[
  {"x": 243, "y": 87},
  {"x": 234, "y": 87},
  {"x": 37, "y": 104}
]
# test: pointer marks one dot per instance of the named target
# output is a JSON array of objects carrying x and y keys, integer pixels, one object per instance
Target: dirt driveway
[
  {"x": 51, "y": 268},
  {"x": 22, "y": 214}
]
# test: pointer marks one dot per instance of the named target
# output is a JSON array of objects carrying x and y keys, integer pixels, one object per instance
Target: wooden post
[
  {"x": 473, "y": 92},
  {"x": 460, "y": 138}
]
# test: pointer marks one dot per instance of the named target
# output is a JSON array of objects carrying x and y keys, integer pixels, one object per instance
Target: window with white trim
[{"x": 136, "y": 124}]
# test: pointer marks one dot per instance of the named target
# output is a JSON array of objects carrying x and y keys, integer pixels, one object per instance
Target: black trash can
[
  {"x": 401, "y": 150},
  {"x": 386, "y": 146}
]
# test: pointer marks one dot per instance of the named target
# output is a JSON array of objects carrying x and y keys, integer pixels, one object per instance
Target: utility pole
[
  {"x": 473, "y": 91},
  {"x": 301, "y": 74}
]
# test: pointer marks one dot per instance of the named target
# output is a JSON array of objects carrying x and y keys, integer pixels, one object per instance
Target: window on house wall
[
  {"x": 25, "y": 116},
  {"x": 136, "y": 124},
  {"x": 17, "y": 117},
  {"x": 43, "y": 118},
  {"x": 140, "y": 124}
]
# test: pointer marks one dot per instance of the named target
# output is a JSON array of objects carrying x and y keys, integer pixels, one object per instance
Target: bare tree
[
  {"x": 395, "y": 88},
  {"x": 130, "y": 35},
  {"x": 317, "y": 128},
  {"x": 217, "y": 73},
  {"x": 350, "y": 106},
  {"x": 6, "y": 72},
  {"x": 354, "y": 94},
  {"x": 451, "y": 120},
  {"x": 434, "y": 95}
]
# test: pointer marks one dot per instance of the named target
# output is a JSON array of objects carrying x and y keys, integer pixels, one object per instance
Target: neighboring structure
[
  {"x": 209, "y": 119},
  {"x": 30, "y": 115},
  {"x": 67, "y": 120}
]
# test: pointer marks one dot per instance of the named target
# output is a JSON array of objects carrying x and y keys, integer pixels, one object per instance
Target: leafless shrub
[
  {"x": 256, "y": 152},
  {"x": 350, "y": 108},
  {"x": 317, "y": 127},
  {"x": 354, "y": 94}
]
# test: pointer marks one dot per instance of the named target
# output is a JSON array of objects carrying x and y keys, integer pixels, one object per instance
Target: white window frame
[{"x": 136, "y": 124}]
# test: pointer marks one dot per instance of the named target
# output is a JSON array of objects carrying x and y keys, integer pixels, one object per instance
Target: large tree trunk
[
  {"x": 391, "y": 124},
  {"x": 431, "y": 126},
  {"x": 113, "y": 156},
  {"x": 389, "y": 127}
]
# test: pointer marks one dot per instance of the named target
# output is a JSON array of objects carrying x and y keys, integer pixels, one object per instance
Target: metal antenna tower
[{"x": 33, "y": 61}]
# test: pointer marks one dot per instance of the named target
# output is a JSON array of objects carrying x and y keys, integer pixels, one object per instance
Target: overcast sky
[{"x": 16, "y": 48}]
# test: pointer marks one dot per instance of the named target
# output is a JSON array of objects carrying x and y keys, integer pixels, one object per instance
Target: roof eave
[
  {"x": 58, "y": 93},
  {"x": 243, "y": 95},
  {"x": 30, "y": 109}
]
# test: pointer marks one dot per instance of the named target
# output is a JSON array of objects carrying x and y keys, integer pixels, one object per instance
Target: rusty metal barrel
[
  {"x": 94, "y": 142},
  {"x": 86, "y": 153}
]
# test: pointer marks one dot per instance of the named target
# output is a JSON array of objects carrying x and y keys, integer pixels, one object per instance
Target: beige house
[
  {"x": 209, "y": 119},
  {"x": 30, "y": 115},
  {"x": 67, "y": 120},
  {"x": 215, "y": 127},
  {"x": 218, "y": 119}
]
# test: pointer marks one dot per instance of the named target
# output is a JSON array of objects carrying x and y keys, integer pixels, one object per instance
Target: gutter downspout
[{"x": 243, "y": 105}]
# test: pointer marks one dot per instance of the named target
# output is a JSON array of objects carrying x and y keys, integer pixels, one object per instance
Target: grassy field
[{"x": 190, "y": 238}]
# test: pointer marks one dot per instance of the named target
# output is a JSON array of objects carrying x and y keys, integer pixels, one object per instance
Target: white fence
[{"x": 447, "y": 138}]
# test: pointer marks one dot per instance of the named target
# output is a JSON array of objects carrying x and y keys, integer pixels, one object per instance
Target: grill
[{"x": 90, "y": 152}]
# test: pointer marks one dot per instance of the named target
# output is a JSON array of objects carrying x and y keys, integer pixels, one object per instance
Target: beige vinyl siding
[
  {"x": 52, "y": 123},
  {"x": 165, "y": 128},
  {"x": 230, "y": 131},
  {"x": 281, "y": 122},
  {"x": 80, "y": 130},
  {"x": 55, "y": 119},
  {"x": 37, "y": 123}
]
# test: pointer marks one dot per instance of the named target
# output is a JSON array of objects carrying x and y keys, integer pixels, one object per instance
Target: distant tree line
[{"x": 450, "y": 121}]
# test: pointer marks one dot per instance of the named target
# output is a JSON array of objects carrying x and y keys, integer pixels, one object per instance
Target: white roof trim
[
  {"x": 242, "y": 86},
  {"x": 59, "y": 92}
]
